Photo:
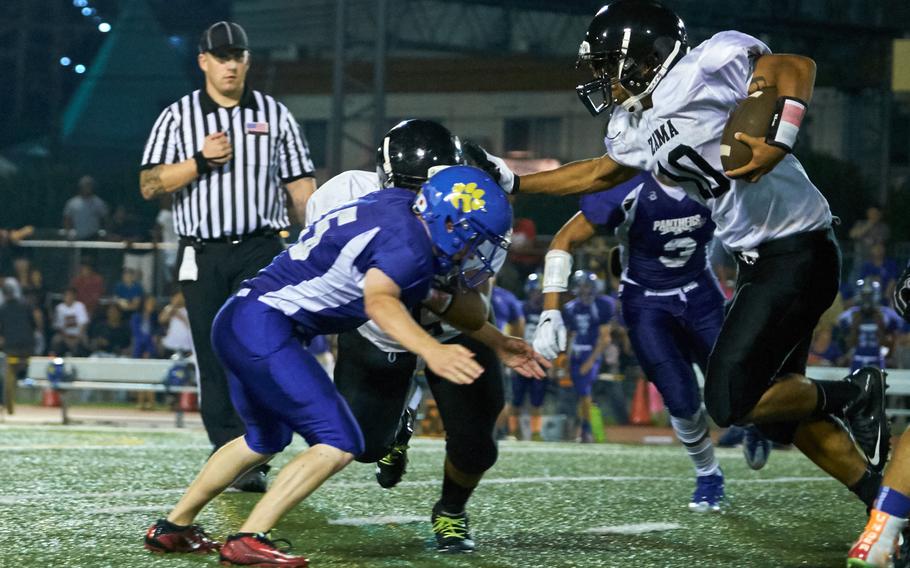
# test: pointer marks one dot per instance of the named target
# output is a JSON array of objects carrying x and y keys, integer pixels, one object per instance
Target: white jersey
[
  {"x": 354, "y": 184},
  {"x": 678, "y": 140}
]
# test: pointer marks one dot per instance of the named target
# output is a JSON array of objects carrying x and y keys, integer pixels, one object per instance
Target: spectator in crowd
[
  {"x": 166, "y": 235},
  {"x": 177, "y": 339},
  {"x": 111, "y": 335},
  {"x": 130, "y": 229},
  {"x": 869, "y": 327},
  {"x": 128, "y": 293},
  {"x": 89, "y": 286},
  {"x": 17, "y": 337},
  {"x": 31, "y": 282},
  {"x": 866, "y": 233},
  {"x": 523, "y": 253},
  {"x": 882, "y": 269},
  {"x": 71, "y": 321},
  {"x": 144, "y": 328},
  {"x": 17, "y": 328},
  {"x": 84, "y": 214},
  {"x": 9, "y": 239},
  {"x": 824, "y": 351}
]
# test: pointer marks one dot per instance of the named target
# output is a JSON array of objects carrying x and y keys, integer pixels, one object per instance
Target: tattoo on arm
[
  {"x": 758, "y": 83},
  {"x": 150, "y": 183}
]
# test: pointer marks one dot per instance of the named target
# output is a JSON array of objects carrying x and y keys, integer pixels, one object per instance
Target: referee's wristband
[
  {"x": 785, "y": 122},
  {"x": 202, "y": 165}
]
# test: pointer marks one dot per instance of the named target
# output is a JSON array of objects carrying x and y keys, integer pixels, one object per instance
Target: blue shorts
[
  {"x": 522, "y": 386},
  {"x": 277, "y": 387},
  {"x": 583, "y": 382},
  {"x": 670, "y": 333}
]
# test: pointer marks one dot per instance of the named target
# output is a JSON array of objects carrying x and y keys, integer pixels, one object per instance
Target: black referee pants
[
  {"x": 768, "y": 327},
  {"x": 221, "y": 269}
]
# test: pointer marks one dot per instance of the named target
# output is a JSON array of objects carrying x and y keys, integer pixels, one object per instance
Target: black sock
[
  {"x": 867, "y": 487},
  {"x": 833, "y": 396},
  {"x": 172, "y": 527},
  {"x": 454, "y": 496}
]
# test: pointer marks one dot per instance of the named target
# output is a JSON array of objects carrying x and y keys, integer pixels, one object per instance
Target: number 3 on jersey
[
  {"x": 679, "y": 251},
  {"x": 710, "y": 183}
]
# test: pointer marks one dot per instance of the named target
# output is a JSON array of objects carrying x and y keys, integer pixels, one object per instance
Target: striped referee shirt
[{"x": 245, "y": 194}]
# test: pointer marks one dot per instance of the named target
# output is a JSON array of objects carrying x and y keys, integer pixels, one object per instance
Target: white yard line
[
  {"x": 633, "y": 529},
  {"x": 32, "y": 498},
  {"x": 379, "y": 520}
]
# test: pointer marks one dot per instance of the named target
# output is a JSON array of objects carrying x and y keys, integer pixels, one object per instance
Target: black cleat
[
  {"x": 253, "y": 481},
  {"x": 865, "y": 416},
  {"x": 451, "y": 530},
  {"x": 392, "y": 467}
]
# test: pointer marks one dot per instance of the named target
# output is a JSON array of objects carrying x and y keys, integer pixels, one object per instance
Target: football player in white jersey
[
  {"x": 669, "y": 107},
  {"x": 374, "y": 371}
]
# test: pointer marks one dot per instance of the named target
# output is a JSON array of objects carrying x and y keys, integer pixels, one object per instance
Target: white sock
[{"x": 693, "y": 433}]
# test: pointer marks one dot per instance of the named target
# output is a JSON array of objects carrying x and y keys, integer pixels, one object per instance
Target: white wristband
[
  {"x": 556, "y": 271},
  {"x": 785, "y": 124}
]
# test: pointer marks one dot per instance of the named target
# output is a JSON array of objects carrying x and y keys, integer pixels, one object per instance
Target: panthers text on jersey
[
  {"x": 319, "y": 280},
  {"x": 678, "y": 140},
  {"x": 664, "y": 234},
  {"x": 355, "y": 184}
]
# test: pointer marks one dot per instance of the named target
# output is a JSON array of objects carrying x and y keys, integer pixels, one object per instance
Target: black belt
[
  {"x": 230, "y": 239},
  {"x": 786, "y": 245}
]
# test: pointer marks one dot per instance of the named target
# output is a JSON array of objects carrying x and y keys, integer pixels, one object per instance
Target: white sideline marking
[
  {"x": 101, "y": 447},
  {"x": 379, "y": 520},
  {"x": 132, "y": 509},
  {"x": 638, "y": 528},
  {"x": 32, "y": 497}
]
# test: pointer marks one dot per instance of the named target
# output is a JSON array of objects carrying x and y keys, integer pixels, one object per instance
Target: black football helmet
[
  {"x": 633, "y": 43},
  {"x": 411, "y": 148}
]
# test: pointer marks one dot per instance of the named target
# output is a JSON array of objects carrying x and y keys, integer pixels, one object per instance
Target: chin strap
[{"x": 633, "y": 103}]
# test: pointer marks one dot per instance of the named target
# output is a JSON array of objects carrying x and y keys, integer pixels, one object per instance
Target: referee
[{"x": 224, "y": 152}]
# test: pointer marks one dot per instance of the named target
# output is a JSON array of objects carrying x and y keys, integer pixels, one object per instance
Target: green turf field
[{"x": 82, "y": 498}]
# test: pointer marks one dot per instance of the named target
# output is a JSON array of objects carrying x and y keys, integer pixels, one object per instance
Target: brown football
[{"x": 752, "y": 116}]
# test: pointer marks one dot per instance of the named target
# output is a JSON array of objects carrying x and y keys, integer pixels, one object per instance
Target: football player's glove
[
  {"x": 902, "y": 295},
  {"x": 550, "y": 336},
  {"x": 493, "y": 165}
]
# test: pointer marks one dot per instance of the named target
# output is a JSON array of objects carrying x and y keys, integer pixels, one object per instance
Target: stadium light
[
  {"x": 88, "y": 11},
  {"x": 104, "y": 27},
  {"x": 80, "y": 69},
  {"x": 65, "y": 61},
  {"x": 80, "y": 3}
]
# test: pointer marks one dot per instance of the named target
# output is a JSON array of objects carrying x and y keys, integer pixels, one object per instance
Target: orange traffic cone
[
  {"x": 641, "y": 413},
  {"x": 189, "y": 402},
  {"x": 50, "y": 398}
]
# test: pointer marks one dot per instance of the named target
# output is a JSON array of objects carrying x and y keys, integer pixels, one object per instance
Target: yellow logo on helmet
[{"x": 467, "y": 197}]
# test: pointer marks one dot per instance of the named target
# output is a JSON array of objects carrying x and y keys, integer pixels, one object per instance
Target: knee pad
[
  {"x": 473, "y": 458},
  {"x": 691, "y": 430}
]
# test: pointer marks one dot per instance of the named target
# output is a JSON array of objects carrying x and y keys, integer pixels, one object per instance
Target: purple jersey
[
  {"x": 868, "y": 350},
  {"x": 506, "y": 307},
  {"x": 532, "y": 318},
  {"x": 319, "y": 281},
  {"x": 584, "y": 320},
  {"x": 664, "y": 233}
]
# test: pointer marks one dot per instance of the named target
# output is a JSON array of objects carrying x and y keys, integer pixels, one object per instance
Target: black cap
[{"x": 222, "y": 36}]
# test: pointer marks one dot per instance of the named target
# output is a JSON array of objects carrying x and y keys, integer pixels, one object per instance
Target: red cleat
[
  {"x": 164, "y": 536},
  {"x": 246, "y": 549}
]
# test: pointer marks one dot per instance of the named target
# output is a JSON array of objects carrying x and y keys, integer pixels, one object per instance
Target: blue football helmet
[
  {"x": 469, "y": 219},
  {"x": 586, "y": 284},
  {"x": 534, "y": 283}
]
